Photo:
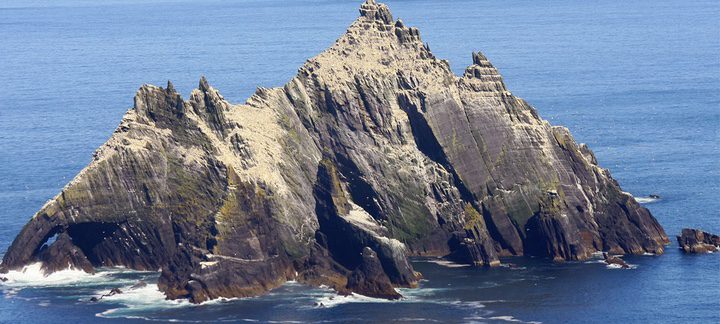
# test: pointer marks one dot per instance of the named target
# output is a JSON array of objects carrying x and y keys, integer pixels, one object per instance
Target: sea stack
[
  {"x": 375, "y": 151},
  {"x": 698, "y": 241}
]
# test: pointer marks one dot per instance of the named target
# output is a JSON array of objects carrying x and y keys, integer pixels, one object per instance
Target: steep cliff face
[{"x": 375, "y": 151}]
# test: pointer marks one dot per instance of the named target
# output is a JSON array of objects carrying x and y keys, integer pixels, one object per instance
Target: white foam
[
  {"x": 333, "y": 299},
  {"x": 132, "y": 300},
  {"x": 617, "y": 266},
  {"x": 10, "y": 293},
  {"x": 148, "y": 298},
  {"x": 139, "y": 299},
  {"x": 505, "y": 318},
  {"x": 417, "y": 320},
  {"x": 473, "y": 304},
  {"x": 329, "y": 298},
  {"x": 412, "y": 293},
  {"x": 447, "y": 264},
  {"x": 509, "y": 319},
  {"x": 612, "y": 265},
  {"x": 33, "y": 276},
  {"x": 293, "y": 283},
  {"x": 148, "y": 295},
  {"x": 512, "y": 266},
  {"x": 221, "y": 300},
  {"x": 646, "y": 200}
]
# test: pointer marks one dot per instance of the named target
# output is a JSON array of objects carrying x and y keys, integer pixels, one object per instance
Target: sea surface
[{"x": 639, "y": 81}]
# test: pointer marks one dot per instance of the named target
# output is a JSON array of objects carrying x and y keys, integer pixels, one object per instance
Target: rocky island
[
  {"x": 375, "y": 151},
  {"x": 697, "y": 241}
]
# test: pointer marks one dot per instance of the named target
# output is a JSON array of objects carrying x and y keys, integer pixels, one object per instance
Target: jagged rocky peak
[
  {"x": 482, "y": 76},
  {"x": 376, "y": 12},
  {"x": 210, "y": 105},
  {"x": 374, "y": 152},
  {"x": 158, "y": 104}
]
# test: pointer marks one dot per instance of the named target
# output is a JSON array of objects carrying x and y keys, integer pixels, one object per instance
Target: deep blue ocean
[{"x": 639, "y": 81}]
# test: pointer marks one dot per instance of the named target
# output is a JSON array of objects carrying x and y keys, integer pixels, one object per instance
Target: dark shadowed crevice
[
  {"x": 495, "y": 232},
  {"x": 332, "y": 107},
  {"x": 212, "y": 241},
  {"x": 146, "y": 194},
  {"x": 428, "y": 144},
  {"x": 536, "y": 243},
  {"x": 362, "y": 193},
  {"x": 333, "y": 232},
  {"x": 87, "y": 236},
  {"x": 545, "y": 238},
  {"x": 423, "y": 134}
]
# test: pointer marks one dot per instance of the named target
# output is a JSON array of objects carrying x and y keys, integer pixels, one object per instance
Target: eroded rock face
[
  {"x": 61, "y": 254},
  {"x": 369, "y": 278},
  {"x": 375, "y": 151},
  {"x": 698, "y": 241}
]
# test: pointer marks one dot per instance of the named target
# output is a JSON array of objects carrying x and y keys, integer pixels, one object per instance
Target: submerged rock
[
  {"x": 697, "y": 241},
  {"x": 373, "y": 152},
  {"x": 138, "y": 285},
  {"x": 610, "y": 259},
  {"x": 113, "y": 292}
]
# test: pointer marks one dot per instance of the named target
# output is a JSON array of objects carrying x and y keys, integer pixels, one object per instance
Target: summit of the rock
[{"x": 373, "y": 11}]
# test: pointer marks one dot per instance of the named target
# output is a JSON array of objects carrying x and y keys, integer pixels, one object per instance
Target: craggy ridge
[{"x": 373, "y": 152}]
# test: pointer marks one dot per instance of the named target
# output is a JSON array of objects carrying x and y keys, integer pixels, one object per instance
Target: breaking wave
[
  {"x": 32, "y": 276},
  {"x": 148, "y": 303},
  {"x": 617, "y": 266},
  {"x": 445, "y": 263},
  {"x": 85, "y": 285},
  {"x": 136, "y": 301},
  {"x": 332, "y": 299},
  {"x": 483, "y": 319},
  {"x": 611, "y": 266},
  {"x": 646, "y": 200}
]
